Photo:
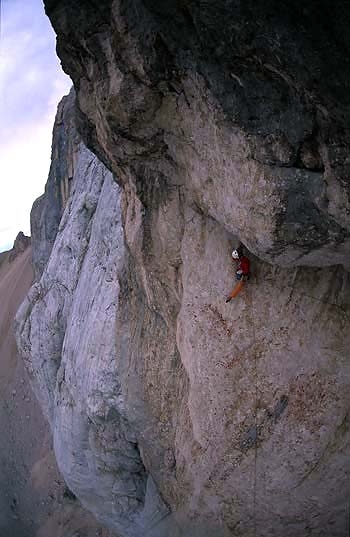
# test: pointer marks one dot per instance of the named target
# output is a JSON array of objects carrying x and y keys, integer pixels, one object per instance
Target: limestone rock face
[
  {"x": 48, "y": 209},
  {"x": 244, "y": 104},
  {"x": 67, "y": 335},
  {"x": 173, "y": 412},
  {"x": 34, "y": 499}
]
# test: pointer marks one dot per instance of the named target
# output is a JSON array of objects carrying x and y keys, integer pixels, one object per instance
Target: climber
[
  {"x": 243, "y": 264},
  {"x": 242, "y": 271}
]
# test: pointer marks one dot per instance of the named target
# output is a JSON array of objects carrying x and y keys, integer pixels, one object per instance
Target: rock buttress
[
  {"x": 48, "y": 209},
  {"x": 235, "y": 102},
  {"x": 67, "y": 332}
]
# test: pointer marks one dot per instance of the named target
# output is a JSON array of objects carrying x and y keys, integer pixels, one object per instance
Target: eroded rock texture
[
  {"x": 67, "y": 335},
  {"x": 34, "y": 499},
  {"x": 222, "y": 123},
  {"x": 246, "y": 104},
  {"x": 48, "y": 209}
]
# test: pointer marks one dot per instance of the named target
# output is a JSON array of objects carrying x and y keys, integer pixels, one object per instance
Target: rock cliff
[
  {"x": 48, "y": 209},
  {"x": 174, "y": 413},
  {"x": 34, "y": 500}
]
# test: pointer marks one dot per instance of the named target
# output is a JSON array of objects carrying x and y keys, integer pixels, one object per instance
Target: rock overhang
[{"x": 141, "y": 70}]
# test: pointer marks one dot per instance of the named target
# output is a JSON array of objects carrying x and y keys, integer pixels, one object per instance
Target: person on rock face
[
  {"x": 243, "y": 264},
  {"x": 242, "y": 269}
]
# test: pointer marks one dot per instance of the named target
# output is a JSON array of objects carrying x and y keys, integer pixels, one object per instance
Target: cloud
[
  {"x": 25, "y": 162},
  {"x": 31, "y": 84}
]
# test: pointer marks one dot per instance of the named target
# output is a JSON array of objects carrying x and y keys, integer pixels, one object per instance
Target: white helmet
[{"x": 235, "y": 254}]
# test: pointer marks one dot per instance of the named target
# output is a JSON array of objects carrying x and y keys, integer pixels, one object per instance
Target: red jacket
[{"x": 243, "y": 265}]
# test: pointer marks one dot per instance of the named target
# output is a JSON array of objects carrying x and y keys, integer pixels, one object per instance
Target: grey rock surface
[
  {"x": 221, "y": 126},
  {"x": 34, "y": 499},
  {"x": 47, "y": 210},
  {"x": 67, "y": 333}
]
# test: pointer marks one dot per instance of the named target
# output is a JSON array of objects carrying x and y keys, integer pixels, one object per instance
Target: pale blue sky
[{"x": 31, "y": 84}]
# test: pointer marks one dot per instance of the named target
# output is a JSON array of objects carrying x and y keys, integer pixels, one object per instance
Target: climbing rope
[{"x": 255, "y": 376}]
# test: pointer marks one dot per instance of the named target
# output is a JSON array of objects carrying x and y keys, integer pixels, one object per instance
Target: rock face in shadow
[
  {"x": 173, "y": 412},
  {"x": 48, "y": 209},
  {"x": 234, "y": 101}
]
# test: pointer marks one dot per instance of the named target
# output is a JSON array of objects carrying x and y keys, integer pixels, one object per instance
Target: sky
[{"x": 31, "y": 85}]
